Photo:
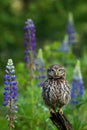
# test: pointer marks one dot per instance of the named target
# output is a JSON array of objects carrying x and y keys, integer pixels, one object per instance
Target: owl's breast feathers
[{"x": 56, "y": 93}]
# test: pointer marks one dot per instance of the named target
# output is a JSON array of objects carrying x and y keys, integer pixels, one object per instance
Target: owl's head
[{"x": 56, "y": 71}]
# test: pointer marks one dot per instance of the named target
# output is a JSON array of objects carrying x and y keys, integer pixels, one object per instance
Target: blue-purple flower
[
  {"x": 10, "y": 92},
  {"x": 34, "y": 63},
  {"x": 65, "y": 45},
  {"x": 71, "y": 30},
  {"x": 77, "y": 91},
  {"x": 40, "y": 69},
  {"x": 29, "y": 41}
]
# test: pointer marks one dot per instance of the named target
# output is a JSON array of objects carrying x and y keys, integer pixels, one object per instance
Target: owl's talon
[
  {"x": 61, "y": 111},
  {"x": 52, "y": 111}
]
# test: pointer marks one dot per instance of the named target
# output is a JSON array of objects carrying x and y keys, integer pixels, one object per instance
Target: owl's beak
[{"x": 57, "y": 74}]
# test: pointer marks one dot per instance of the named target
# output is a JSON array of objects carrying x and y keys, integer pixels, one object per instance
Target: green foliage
[
  {"x": 50, "y": 18},
  {"x": 53, "y": 54}
]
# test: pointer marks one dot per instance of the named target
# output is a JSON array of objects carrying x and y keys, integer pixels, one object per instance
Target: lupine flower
[
  {"x": 71, "y": 30},
  {"x": 65, "y": 45},
  {"x": 77, "y": 91},
  {"x": 40, "y": 70},
  {"x": 34, "y": 64},
  {"x": 11, "y": 93},
  {"x": 29, "y": 42}
]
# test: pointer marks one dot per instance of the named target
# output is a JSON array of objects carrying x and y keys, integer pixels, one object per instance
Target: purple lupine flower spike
[
  {"x": 11, "y": 93},
  {"x": 40, "y": 69},
  {"x": 71, "y": 30},
  {"x": 65, "y": 45},
  {"x": 77, "y": 91},
  {"x": 30, "y": 41}
]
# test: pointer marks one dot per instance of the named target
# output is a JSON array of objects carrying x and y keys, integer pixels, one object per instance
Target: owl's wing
[
  {"x": 68, "y": 85},
  {"x": 45, "y": 92},
  {"x": 45, "y": 88},
  {"x": 45, "y": 83},
  {"x": 69, "y": 89}
]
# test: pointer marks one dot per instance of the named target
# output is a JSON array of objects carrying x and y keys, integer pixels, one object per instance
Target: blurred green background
[{"x": 50, "y": 18}]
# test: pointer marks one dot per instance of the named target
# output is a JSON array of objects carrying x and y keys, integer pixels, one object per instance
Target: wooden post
[{"x": 60, "y": 121}]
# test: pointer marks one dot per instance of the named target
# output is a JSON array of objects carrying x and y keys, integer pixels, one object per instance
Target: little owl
[{"x": 55, "y": 90}]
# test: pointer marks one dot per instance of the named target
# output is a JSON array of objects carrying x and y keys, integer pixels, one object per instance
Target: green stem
[{"x": 10, "y": 110}]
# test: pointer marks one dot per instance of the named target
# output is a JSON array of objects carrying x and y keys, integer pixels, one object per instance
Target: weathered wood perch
[{"x": 60, "y": 121}]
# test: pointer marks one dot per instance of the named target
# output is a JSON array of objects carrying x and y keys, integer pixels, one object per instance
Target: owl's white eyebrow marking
[{"x": 54, "y": 69}]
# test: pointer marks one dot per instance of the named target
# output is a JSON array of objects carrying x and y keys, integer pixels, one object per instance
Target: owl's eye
[
  {"x": 52, "y": 70},
  {"x": 59, "y": 70}
]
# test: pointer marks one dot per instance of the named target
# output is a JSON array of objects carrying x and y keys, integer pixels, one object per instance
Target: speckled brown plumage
[{"x": 56, "y": 91}]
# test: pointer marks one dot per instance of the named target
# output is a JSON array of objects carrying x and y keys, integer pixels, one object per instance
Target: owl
[{"x": 55, "y": 90}]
